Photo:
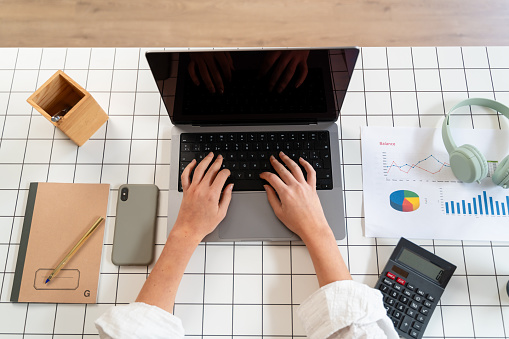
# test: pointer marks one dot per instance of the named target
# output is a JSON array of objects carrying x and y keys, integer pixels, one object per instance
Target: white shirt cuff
[
  {"x": 345, "y": 305},
  {"x": 139, "y": 320}
]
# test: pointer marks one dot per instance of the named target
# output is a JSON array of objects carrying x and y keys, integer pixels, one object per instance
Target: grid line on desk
[
  {"x": 492, "y": 85},
  {"x": 365, "y": 270}
]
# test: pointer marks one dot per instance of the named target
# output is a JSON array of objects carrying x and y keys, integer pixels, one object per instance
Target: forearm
[
  {"x": 161, "y": 286},
  {"x": 327, "y": 260}
]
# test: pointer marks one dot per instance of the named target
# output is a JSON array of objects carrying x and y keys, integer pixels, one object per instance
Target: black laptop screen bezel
[{"x": 165, "y": 68}]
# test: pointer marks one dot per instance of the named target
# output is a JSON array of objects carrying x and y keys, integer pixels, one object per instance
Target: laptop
[{"x": 248, "y": 104}]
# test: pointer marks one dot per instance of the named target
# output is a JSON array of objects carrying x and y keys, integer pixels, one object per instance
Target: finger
[
  {"x": 274, "y": 201},
  {"x": 285, "y": 174},
  {"x": 230, "y": 60},
  {"x": 192, "y": 72},
  {"x": 276, "y": 73},
  {"x": 294, "y": 168},
  {"x": 204, "y": 72},
  {"x": 274, "y": 181},
  {"x": 202, "y": 166},
  {"x": 220, "y": 179},
  {"x": 268, "y": 62},
  {"x": 212, "y": 171},
  {"x": 311, "y": 173},
  {"x": 224, "y": 63},
  {"x": 303, "y": 73},
  {"x": 224, "y": 202},
  {"x": 185, "y": 177},
  {"x": 287, "y": 76},
  {"x": 216, "y": 76}
]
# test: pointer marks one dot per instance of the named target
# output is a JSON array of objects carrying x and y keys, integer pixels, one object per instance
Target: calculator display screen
[{"x": 420, "y": 264}]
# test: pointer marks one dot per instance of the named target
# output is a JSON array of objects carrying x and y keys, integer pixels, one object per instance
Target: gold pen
[{"x": 74, "y": 249}]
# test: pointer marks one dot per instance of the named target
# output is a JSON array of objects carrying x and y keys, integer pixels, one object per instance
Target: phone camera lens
[{"x": 124, "y": 194}]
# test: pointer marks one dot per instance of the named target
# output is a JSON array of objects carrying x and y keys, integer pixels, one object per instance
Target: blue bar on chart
[{"x": 480, "y": 205}]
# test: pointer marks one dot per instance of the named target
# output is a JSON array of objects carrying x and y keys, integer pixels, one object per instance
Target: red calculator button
[
  {"x": 401, "y": 281},
  {"x": 391, "y": 276}
]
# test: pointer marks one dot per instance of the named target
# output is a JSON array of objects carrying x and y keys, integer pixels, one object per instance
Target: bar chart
[{"x": 481, "y": 204}]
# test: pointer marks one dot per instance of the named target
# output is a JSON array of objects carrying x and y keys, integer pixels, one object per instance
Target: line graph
[
  {"x": 415, "y": 166},
  {"x": 406, "y": 168}
]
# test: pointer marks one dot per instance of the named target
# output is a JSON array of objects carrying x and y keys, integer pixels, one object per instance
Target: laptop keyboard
[{"x": 247, "y": 155}]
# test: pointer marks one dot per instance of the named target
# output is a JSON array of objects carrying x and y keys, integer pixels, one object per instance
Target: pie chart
[{"x": 404, "y": 201}]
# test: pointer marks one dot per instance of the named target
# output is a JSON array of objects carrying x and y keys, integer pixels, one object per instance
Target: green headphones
[{"x": 467, "y": 162}]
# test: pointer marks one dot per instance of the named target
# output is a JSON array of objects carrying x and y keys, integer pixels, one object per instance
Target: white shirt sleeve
[
  {"x": 346, "y": 309},
  {"x": 139, "y": 320}
]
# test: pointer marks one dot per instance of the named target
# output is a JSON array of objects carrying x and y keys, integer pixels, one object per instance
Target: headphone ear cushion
[
  {"x": 501, "y": 175},
  {"x": 468, "y": 164},
  {"x": 482, "y": 160}
]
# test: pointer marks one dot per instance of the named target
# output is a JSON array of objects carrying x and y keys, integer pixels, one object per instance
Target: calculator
[{"x": 412, "y": 282}]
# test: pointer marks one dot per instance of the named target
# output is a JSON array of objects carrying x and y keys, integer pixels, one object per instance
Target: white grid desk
[{"x": 242, "y": 290}]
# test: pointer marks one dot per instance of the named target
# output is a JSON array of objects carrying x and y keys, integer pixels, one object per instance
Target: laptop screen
[{"x": 223, "y": 87}]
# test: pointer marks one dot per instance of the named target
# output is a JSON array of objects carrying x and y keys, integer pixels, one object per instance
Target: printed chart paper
[{"x": 410, "y": 190}]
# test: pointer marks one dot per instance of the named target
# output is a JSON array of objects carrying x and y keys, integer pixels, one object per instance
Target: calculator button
[
  {"x": 405, "y": 324},
  {"x": 390, "y": 301},
  {"x": 417, "y": 298},
  {"x": 384, "y": 288},
  {"x": 390, "y": 275},
  {"x": 398, "y": 288},
  {"x": 395, "y": 322},
  {"x": 397, "y": 314},
  {"x": 387, "y": 308},
  {"x": 411, "y": 313},
  {"x": 427, "y": 303},
  {"x": 401, "y": 281},
  {"x": 400, "y": 307},
  {"x": 424, "y": 310},
  {"x": 414, "y": 333},
  {"x": 404, "y": 299},
  {"x": 408, "y": 293},
  {"x": 410, "y": 287},
  {"x": 388, "y": 282},
  {"x": 430, "y": 297},
  {"x": 414, "y": 305},
  {"x": 421, "y": 318},
  {"x": 417, "y": 325},
  {"x": 393, "y": 294},
  {"x": 421, "y": 292}
]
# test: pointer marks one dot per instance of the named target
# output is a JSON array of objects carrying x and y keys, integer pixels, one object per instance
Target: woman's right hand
[{"x": 296, "y": 203}]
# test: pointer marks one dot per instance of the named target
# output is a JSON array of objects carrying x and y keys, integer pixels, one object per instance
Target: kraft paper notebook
[{"x": 56, "y": 217}]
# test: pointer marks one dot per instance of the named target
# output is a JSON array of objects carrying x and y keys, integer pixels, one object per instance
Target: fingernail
[
  {"x": 211, "y": 154},
  {"x": 219, "y": 156},
  {"x": 272, "y": 157},
  {"x": 281, "y": 153},
  {"x": 230, "y": 187}
]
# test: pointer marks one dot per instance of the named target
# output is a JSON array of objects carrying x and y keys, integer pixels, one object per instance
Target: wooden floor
[{"x": 172, "y": 23}]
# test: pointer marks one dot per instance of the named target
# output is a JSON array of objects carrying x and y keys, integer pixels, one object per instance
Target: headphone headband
[{"x": 450, "y": 145}]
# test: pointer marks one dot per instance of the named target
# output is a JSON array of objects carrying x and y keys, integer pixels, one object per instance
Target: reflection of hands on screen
[
  {"x": 285, "y": 65},
  {"x": 212, "y": 66}
]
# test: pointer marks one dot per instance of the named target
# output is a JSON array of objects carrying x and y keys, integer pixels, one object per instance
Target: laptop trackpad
[{"x": 250, "y": 217}]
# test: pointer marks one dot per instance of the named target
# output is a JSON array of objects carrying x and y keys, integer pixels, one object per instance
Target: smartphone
[{"x": 133, "y": 240}]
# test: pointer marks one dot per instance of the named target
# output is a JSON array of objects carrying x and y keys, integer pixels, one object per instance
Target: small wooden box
[{"x": 84, "y": 116}]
